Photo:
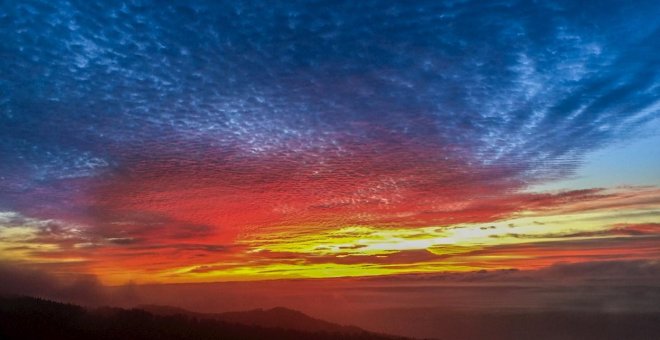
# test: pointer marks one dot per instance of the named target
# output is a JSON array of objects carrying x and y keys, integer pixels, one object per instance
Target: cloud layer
[{"x": 195, "y": 129}]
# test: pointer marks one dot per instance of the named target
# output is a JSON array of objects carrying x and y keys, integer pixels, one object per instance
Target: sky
[{"x": 150, "y": 142}]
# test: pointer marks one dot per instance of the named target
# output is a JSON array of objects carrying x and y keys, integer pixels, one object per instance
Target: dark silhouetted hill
[
  {"x": 278, "y": 317},
  {"x": 32, "y": 318}
]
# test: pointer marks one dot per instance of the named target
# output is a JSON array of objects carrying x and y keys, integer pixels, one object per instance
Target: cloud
[
  {"x": 309, "y": 87},
  {"x": 191, "y": 126},
  {"x": 623, "y": 270},
  {"x": 642, "y": 229},
  {"x": 18, "y": 279},
  {"x": 619, "y": 273}
]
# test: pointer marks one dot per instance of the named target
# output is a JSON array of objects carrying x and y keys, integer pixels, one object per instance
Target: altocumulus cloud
[{"x": 322, "y": 113}]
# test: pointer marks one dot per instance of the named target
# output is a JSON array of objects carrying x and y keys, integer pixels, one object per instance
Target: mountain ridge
[
  {"x": 35, "y": 318},
  {"x": 276, "y": 317}
]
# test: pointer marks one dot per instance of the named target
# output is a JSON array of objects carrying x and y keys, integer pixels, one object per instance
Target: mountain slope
[
  {"x": 278, "y": 317},
  {"x": 32, "y": 318}
]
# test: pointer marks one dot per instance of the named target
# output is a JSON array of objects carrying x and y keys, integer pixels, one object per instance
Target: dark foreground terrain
[{"x": 32, "y": 318}]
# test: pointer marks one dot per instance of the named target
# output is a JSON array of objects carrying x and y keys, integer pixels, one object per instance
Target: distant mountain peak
[
  {"x": 275, "y": 317},
  {"x": 18, "y": 317},
  {"x": 282, "y": 317}
]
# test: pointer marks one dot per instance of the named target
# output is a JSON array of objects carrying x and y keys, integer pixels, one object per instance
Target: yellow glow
[{"x": 325, "y": 251}]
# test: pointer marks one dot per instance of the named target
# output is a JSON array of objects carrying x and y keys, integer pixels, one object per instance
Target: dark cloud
[
  {"x": 626, "y": 270},
  {"x": 643, "y": 229},
  {"x": 606, "y": 273},
  {"x": 398, "y": 257},
  {"x": 122, "y": 240},
  {"x": 17, "y": 279},
  {"x": 211, "y": 248}
]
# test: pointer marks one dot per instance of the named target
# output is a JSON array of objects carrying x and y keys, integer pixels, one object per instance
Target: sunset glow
[{"x": 358, "y": 146}]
